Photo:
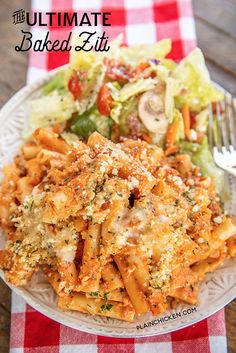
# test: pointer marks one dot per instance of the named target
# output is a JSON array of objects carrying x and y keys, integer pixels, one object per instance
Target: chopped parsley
[
  {"x": 106, "y": 295},
  {"x": 47, "y": 188},
  {"x": 188, "y": 197},
  {"x": 176, "y": 202},
  {"x": 93, "y": 294},
  {"x": 31, "y": 205},
  {"x": 106, "y": 307},
  {"x": 119, "y": 194}
]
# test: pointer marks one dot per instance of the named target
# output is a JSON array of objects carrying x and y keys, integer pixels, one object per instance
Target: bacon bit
[
  {"x": 136, "y": 193},
  {"x": 123, "y": 174},
  {"x": 117, "y": 71},
  {"x": 135, "y": 129},
  {"x": 134, "y": 125},
  {"x": 105, "y": 205}
]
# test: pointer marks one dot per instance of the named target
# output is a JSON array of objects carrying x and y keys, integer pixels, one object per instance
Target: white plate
[{"x": 215, "y": 292}]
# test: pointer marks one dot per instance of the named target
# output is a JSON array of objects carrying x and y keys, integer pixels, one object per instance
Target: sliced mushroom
[{"x": 151, "y": 111}]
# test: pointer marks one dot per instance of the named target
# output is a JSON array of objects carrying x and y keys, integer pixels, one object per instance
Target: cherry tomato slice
[
  {"x": 104, "y": 101},
  {"x": 75, "y": 84}
]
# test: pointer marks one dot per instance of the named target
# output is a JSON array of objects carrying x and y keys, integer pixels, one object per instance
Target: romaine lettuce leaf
[
  {"x": 92, "y": 64},
  {"x": 55, "y": 84},
  {"x": 173, "y": 87},
  {"x": 133, "y": 88},
  {"x": 115, "y": 90},
  {"x": 122, "y": 95},
  {"x": 82, "y": 60},
  {"x": 116, "y": 111},
  {"x": 94, "y": 82},
  {"x": 128, "y": 107},
  {"x": 48, "y": 110},
  {"x": 169, "y": 64},
  {"x": 202, "y": 121},
  {"x": 70, "y": 137},
  {"x": 177, "y": 116},
  {"x": 85, "y": 124},
  {"x": 202, "y": 157},
  {"x": 136, "y": 54},
  {"x": 193, "y": 74}
]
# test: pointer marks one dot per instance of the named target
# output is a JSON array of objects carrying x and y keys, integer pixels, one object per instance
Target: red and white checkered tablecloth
[
  {"x": 32, "y": 332},
  {"x": 140, "y": 21}
]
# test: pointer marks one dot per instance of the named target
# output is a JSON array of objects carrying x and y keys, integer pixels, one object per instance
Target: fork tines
[{"x": 222, "y": 124}]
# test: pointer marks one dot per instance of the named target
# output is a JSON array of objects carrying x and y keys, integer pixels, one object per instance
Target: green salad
[{"x": 133, "y": 92}]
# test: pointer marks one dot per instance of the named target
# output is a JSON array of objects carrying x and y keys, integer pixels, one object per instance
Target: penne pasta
[
  {"x": 224, "y": 230},
  {"x": 118, "y": 229},
  {"x": 55, "y": 280},
  {"x": 111, "y": 278},
  {"x": 30, "y": 150},
  {"x": 68, "y": 273},
  {"x": 118, "y": 295},
  {"x": 112, "y": 309},
  {"x": 136, "y": 295},
  {"x": 49, "y": 140},
  {"x": 24, "y": 187},
  {"x": 186, "y": 294},
  {"x": 208, "y": 265},
  {"x": 231, "y": 245},
  {"x": 90, "y": 270},
  {"x": 141, "y": 272}
]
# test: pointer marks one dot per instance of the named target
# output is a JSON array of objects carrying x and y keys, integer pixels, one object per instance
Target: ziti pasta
[{"x": 118, "y": 229}]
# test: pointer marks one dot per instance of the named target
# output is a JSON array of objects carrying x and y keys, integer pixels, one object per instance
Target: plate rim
[{"x": 42, "y": 308}]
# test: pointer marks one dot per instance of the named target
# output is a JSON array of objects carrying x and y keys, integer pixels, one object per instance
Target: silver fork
[{"x": 222, "y": 133}]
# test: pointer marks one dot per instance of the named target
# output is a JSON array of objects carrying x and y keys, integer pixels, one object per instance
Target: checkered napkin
[{"x": 140, "y": 21}]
